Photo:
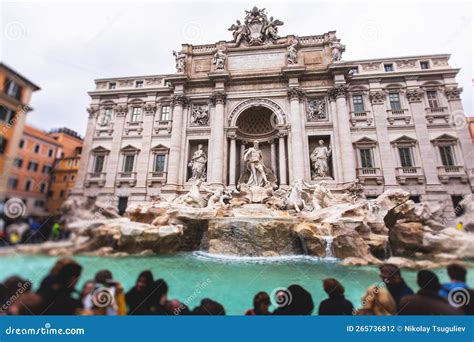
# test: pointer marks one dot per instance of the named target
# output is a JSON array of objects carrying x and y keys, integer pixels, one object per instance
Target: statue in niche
[
  {"x": 316, "y": 110},
  {"x": 238, "y": 32},
  {"x": 200, "y": 115},
  {"x": 198, "y": 164},
  {"x": 219, "y": 59},
  {"x": 253, "y": 158},
  {"x": 292, "y": 53},
  {"x": 180, "y": 59},
  {"x": 319, "y": 160}
]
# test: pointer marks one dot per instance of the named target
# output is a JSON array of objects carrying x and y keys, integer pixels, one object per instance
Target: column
[
  {"x": 143, "y": 159},
  {"x": 217, "y": 137},
  {"x": 338, "y": 93},
  {"x": 273, "y": 156},
  {"x": 458, "y": 121},
  {"x": 428, "y": 158},
  {"x": 86, "y": 148},
  {"x": 242, "y": 151},
  {"x": 282, "y": 158},
  {"x": 232, "y": 160},
  {"x": 178, "y": 103},
  {"x": 113, "y": 166},
  {"x": 295, "y": 94},
  {"x": 388, "y": 164}
]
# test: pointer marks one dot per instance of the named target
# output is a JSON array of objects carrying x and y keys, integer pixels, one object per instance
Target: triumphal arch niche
[{"x": 262, "y": 90}]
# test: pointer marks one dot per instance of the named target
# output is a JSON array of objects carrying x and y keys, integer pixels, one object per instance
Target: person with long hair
[{"x": 377, "y": 301}]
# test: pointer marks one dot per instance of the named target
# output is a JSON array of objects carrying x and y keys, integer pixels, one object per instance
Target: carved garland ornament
[
  {"x": 414, "y": 95},
  {"x": 453, "y": 93},
  {"x": 295, "y": 93},
  {"x": 337, "y": 91},
  {"x": 377, "y": 97},
  {"x": 179, "y": 100},
  {"x": 218, "y": 97},
  {"x": 121, "y": 110}
]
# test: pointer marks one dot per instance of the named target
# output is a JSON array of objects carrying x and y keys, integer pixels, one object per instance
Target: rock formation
[{"x": 351, "y": 228}]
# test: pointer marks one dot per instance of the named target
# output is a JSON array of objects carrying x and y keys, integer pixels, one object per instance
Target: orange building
[
  {"x": 15, "y": 96},
  {"x": 66, "y": 166},
  {"x": 30, "y": 176}
]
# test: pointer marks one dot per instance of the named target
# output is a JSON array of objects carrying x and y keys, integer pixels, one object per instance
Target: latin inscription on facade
[{"x": 257, "y": 61}]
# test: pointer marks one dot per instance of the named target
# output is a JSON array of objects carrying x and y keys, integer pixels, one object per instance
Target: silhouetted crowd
[{"x": 57, "y": 295}]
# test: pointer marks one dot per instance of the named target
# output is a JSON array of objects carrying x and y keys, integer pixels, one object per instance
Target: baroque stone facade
[{"x": 395, "y": 122}]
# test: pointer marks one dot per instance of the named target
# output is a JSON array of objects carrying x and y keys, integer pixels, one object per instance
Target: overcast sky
[{"x": 64, "y": 47}]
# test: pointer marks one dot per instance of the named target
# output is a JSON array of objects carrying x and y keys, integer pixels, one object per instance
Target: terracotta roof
[{"x": 39, "y": 134}]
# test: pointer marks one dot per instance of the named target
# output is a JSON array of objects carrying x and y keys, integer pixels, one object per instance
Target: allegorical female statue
[
  {"x": 319, "y": 160},
  {"x": 198, "y": 164}
]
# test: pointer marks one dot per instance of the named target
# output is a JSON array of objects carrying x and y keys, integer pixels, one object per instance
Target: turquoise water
[{"x": 232, "y": 282}]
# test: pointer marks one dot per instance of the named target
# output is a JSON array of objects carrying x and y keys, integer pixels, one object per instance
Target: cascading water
[{"x": 329, "y": 240}]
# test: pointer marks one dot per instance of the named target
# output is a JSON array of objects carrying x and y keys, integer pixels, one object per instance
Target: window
[
  {"x": 358, "y": 102},
  {"x": 61, "y": 194},
  {"x": 72, "y": 177},
  {"x": 64, "y": 178},
  {"x": 99, "y": 164},
  {"x": 12, "y": 183},
  {"x": 18, "y": 162},
  {"x": 50, "y": 153},
  {"x": 394, "y": 99},
  {"x": 112, "y": 85},
  {"x": 42, "y": 188},
  {"x": 3, "y": 145},
  {"x": 6, "y": 115},
  {"x": 447, "y": 155},
  {"x": 128, "y": 163},
  {"x": 388, "y": 67},
  {"x": 37, "y": 148},
  {"x": 39, "y": 203},
  {"x": 22, "y": 143},
  {"x": 406, "y": 159},
  {"x": 12, "y": 89},
  {"x": 33, "y": 166},
  {"x": 432, "y": 96},
  {"x": 159, "y": 163},
  {"x": 28, "y": 185},
  {"x": 354, "y": 70},
  {"x": 46, "y": 169},
  {"x": 424, "y": 65},
  {"x": 366, "y": 158},
  {"x": 165, "y": 113},
  {"x": 136, "y": 113},
  {"x": 139, "y": 84}
]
